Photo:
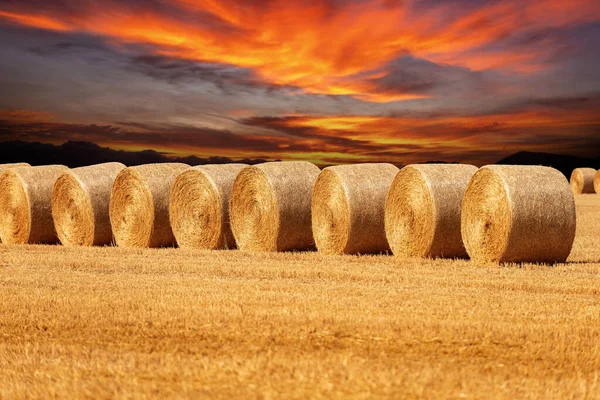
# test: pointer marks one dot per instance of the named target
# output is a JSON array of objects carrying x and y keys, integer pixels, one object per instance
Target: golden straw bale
[
  {"x": 348, "y": 208},
  {"x": 270, "y": 206},
  {"x": 4, "y": 167},
  {"x": 199, "y": 206},
  {"x": 80, "y": 203},
  {"x": 582, "y": 180},
  {"x": 422, "y": 210},
  {"x": 597, "y": 182},
  {"x": 26, "y": 204},
  {"x": 139, "y": 205},
  {"x": 514, "y": 213}
]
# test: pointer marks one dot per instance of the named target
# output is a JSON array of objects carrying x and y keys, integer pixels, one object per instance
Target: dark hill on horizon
[
  {"x": 78, "y": 153},
  {"x": 564, "y": 163}
]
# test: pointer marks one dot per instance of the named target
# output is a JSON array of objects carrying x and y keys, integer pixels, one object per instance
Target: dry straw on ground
[
  {"x": 597, "y": 182},
  {"x": 582, "y": 180},
  {"x": 26, "y": 204},
  {"x": 422, "y": 211},
  {"x": 199, "y": 206},
  {"x": 515, "y": 213},
  {"x": 80, "y": 202},
  {"x": 139, "y": 205},
  {"x": 348, "y": 208},
  {"x": 270, "y": 206}
]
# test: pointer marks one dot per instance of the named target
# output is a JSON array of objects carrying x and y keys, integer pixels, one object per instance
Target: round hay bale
[
  {"x": 514, "y": 213},
  {"x": 199, "y": 206},
  {"x": 597, "y": 182},
  {"x": 4, "y": 167},
  {"x": 26, "y": 204},
  {"x": 348, "y": 208},
  {"x": 270, "y": 206},
  {"x": 139, "y": 205},
  {"x": 582, "y": 180},
  {"x": 80, "y": 203},
  {"x": 422, "y": 210}
]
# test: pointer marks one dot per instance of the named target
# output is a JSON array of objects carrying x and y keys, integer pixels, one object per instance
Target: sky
[{"x": 327, "y": 81}]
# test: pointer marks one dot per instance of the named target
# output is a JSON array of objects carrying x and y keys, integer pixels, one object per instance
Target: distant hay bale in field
[
  {"x": 4, "y": 167},
  {"x": 582, "y": 180},
  {"x": 139, "y": 205},
  {"x": 597, "y": 182},
  {"x": 514, "y": 213},
  {"x": 26, "y": 204},
  {"x": 80, "y": 202},
  {"x": 199, "y": 206},
  {"x": 348, "y": 208},
  {"x": 422, "y": 210},
  {"x": 270, "y": 206}
]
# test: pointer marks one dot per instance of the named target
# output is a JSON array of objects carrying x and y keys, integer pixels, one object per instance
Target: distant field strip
[{"x": 106, "y": 322}]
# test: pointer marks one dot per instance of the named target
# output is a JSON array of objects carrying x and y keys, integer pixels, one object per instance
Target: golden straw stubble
[
  {"x": 199, "y": 206},
  {"x": 26, "y": 204},
  {"x": 348, "y": 208},
  {"x": 422, "y": 210},
  {"x": 270, "y": 206},
  {"x": 515, "y": 213},
  {"x": 80, "y": 204},
  {"x": 139, "y": 205},
  {"x": 582, "y": 180}
]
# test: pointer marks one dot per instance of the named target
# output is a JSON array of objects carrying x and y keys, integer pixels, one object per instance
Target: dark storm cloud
[
  {"x": 409, "y": 74},
  {"x": 230, "y": 79}
]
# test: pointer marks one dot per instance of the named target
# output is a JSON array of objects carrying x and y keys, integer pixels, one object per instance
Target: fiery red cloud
[
  {"x": 317, "y": 46},
  {"x": 326, "y": 80}
]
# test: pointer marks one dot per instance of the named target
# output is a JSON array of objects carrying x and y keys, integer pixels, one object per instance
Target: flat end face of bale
[
  {"x": 597, "y": 182},
  {"x": 254, "y": 212},
  {"x": 72, "y": 212},
  {"x": 15, "y": 210},
  {"x": 410, "y": 215},
  {"x": 195, "y": 212},
  {"x": 131, "y": 210},
  {"x": 576, "y": 181},
  {"x": 486, "y": 217},
  {"x": 330, "y": 214}
]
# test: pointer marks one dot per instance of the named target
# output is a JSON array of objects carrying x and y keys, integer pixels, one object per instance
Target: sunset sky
[{"x": 328, "y": 81}]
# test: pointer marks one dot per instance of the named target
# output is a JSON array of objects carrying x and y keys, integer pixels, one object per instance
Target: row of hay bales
[{"x": 495, "y": 213}]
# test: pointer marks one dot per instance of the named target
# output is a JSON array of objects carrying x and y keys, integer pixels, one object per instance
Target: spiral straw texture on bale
[
  {"x": 199, "y": 206},
  {"x": 80, "y": 203},
  {"x": 422, "y": 210},
  {"x": 597, "y": 182},
  {"x": 582, "y": 180},
  {"x": 348, "y": 208},
  {"x": 270, "y": 206},
  {"x": 515, "y": 213},
  {"x": 26, "y": 204},
  {"x": 139, "y": 205}
]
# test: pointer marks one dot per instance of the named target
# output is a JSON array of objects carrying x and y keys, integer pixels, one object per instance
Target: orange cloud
[{"x": 319, "y": 47}]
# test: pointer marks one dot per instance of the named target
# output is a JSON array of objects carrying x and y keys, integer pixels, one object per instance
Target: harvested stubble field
[{"x": 106, "y": 322}]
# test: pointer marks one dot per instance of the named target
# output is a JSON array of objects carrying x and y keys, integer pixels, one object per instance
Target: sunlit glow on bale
[
  {"x": 582, "y": 180},
  {"x": 80, "y": 204},
  {"x": 348, "y": 208},
  {"x": 26, "y": 204},
  {"x": 422, "y": 211},
  {"x": 514, "y": 213},
  {"x": 270, "y": 206},
  {"x": 139, "y": 205},
  {"x": 199, "y": 206}
]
